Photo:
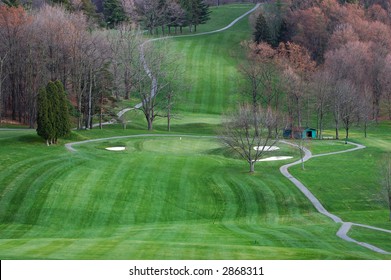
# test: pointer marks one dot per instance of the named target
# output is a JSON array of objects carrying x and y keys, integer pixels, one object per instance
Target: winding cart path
[
  {"x": 149, "y": 72},
  {"x": 345, "y": 226}
]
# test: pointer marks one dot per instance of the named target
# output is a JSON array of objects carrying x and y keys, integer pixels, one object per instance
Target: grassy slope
[
  {"x": 353, "y": 192},
  {"x": 163, "y": 198}
]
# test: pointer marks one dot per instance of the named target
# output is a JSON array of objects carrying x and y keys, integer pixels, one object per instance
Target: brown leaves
[
  {"x": 297, "y": 57},
  {"x": 12, "y": 17}
]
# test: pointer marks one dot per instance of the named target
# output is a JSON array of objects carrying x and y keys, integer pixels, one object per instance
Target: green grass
[
  {"x": 382, "y": 239},
  {"x": 162, "y": 198},
  {"x": 167, "y": 197},
  {"x": 348, "y": 185}
]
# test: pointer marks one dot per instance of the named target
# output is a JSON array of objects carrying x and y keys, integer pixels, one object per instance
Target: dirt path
[{"x": 345, "y": 226}]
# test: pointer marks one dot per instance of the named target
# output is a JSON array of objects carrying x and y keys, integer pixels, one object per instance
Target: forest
[
  {"x": 327, "y": 56},
  {"x": 332, "y": 58},
  {"x": 97, "y": 60}
]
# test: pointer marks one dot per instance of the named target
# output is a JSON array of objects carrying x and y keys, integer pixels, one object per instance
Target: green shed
[
  {"x": 309, "y": 133},
  {"x": 300, "y": 132}
]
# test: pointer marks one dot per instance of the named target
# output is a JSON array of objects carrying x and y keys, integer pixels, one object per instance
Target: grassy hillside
[
  {"x": 182, "y": 197},
  {"x": 164, "y": 197}
]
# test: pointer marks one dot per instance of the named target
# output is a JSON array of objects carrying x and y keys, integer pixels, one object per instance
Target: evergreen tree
[
  {"x": 53, "y": 117},
  {"x": 53, "y": 109},
  {"x": 63, "y": 125},
  {"x": 11, "y": 3},
  {"x": 197, "y": 12},
  {"x": 262, "y": 31},
  {"x": 44, "y": 125},
  {"x": 113, "y": 12}
]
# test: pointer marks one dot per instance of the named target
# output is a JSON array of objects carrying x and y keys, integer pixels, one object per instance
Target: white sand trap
[
  {"x": 266, "y": 148},
  {"x": 275, "y": 158},
  {"x": 116, "y": 149}
]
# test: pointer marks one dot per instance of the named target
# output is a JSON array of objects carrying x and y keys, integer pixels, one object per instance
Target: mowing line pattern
[
  {"x": 346, "y": 226},
  {"x": 158, "y": 203}
]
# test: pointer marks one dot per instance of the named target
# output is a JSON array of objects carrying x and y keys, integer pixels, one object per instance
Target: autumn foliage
[{"x": 334, "y": 52}]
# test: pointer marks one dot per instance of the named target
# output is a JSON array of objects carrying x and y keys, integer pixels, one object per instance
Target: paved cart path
[
  {"x": 345, "y": 226},
  {"x": 149, "y": 72}
]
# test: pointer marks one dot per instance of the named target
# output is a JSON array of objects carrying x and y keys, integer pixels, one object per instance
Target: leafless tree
[
  {"x": 349, "y": 105},
  {"x": 151, "y": 12},
  {"x": 154, "y": 80},
  {"x": 365, "y": 108},
  {"x": 246, "y": 137},
  {"x": 321, "y": 86},
  {"x": 124, "y": 55},
  {"x": 2, "y": 62},
  {"x": 385, "y": 80},
  {"x": 296, "y": 92},
  {"x": 260, "y": 79},
  {"x": 386, "y": 179}
]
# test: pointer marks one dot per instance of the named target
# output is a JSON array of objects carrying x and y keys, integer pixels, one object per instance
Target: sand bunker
[
  {"x": 116, "y": 149},
  {"x": 275, "y": 158},
  {"x": 266, "y": 148}
]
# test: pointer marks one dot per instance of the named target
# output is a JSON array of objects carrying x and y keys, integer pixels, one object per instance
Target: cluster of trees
[
  {"x": 331, "y": 57},
  {"x": 171, "y": 14},
  {"x": 46, "y": 45},
  {"x": 96, "y": 67}
]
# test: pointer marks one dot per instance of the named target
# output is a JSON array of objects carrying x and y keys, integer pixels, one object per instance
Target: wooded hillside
[{"x": 349, "y": 44}]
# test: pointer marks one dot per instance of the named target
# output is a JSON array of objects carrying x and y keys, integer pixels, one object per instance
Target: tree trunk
[
  {"x": 169, "y": 119},
  {"x": 127, "y": 84},
  {"x": 389, "y": 106},
  {"x": 347, "y": 135},
  {"x": 1, "y": 83},
  {"x": 336, "y": 130},
  {"x": 101, "y": 112},
  {"x": 150, "y": 126},
  {"x": 389, "y": 203},
  {"x": 252, "y": 166},
  {"x": 365, "y": 128},
  {"x": 89, "y": 116}
]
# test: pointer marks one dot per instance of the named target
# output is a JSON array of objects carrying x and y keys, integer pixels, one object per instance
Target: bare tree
[
  {"x": 260, "y": 78},
  {"x": 154, "y": 80},
  {"x": 349, "y": 105},
  {"x": 2, "y": 61},
  {"x": 321, "y": 86},
  {"x": 298, "y": 69},
  {"x": 151, "y": 12},
  {"x": 246, "y": 137},
  {"x": 386, "y": 179},
  {"x": 385, "y": 80},
  {"x": 295, "y": 88},
  {"x": 124, "y": 55},
  {"x": 365, "y": 108}
]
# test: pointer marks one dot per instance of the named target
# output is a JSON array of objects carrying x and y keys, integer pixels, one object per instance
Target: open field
[{"x": 183, "y": 195}]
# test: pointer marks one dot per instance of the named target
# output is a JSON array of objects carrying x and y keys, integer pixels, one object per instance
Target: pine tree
[
  {"x": 44, "y": 125},
  {"x": 63, "y": 120},
  {"x": 113, "y": 12},
  {"x": 262, "y": 31},
  {"x": 53, "y": 110},
  {"x": 197, "y": 12},
  {"x": 53, "y": 116}
]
